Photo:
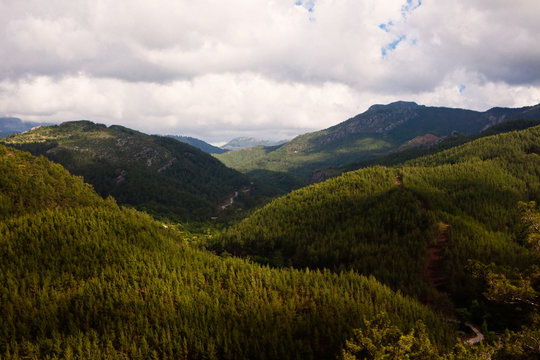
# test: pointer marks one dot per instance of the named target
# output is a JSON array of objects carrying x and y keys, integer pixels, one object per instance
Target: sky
[{"x": 217, "y": 69}]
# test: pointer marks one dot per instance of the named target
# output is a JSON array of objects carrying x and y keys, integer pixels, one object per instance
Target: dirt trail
[
  {"x": 478, "y": 335},
  {"x": 435, "y": 259},
  {"x": 233, "y": 196},
  {"x": 398, "y": 181}
]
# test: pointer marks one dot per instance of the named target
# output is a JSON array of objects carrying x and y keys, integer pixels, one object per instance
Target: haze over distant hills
[
  {"x": 198, "y": 143},
  {"x": 11, "y": 125},
  {"x": 247, "y": 142},
  {"x": 378, "y": 131}
]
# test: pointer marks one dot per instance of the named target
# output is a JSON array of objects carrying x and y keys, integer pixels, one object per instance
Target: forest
[
  {"x": 342, "y": 269},
  {"x": 383, "y": 221},
  {"x": 156, "y": 174},
  {"x": 84, "y": 278}
]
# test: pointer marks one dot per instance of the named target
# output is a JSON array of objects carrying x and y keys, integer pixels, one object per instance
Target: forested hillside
[
  {"x": 81, "y": 277},
  {"x": 421, "y": 227},
  {"x": 153, "y": 173},
  {"x": 403, "y": 155}
]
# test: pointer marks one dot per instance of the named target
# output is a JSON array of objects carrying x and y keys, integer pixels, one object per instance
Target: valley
[{"x": 117, "y": 244}]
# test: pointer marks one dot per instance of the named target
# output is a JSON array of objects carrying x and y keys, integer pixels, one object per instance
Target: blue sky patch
[
  {"x": 386, "y": 27},
  {"x": 309, "y": 5},
  {"x": 410, "y": 7},
  {"x": 462, "y": 88},
  {"x": 392, "y": 46}
]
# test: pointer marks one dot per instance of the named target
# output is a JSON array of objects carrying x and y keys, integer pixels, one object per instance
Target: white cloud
[
  {"x": 219, "y": 69},
  {"x": 211, "y": 106}
]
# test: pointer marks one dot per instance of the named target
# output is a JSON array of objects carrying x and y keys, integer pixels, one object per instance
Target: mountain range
[{"x": 380, "y": 130}]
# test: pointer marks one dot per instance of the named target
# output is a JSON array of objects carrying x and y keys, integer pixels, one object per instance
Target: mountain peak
[{"x": 394, "y": 105}]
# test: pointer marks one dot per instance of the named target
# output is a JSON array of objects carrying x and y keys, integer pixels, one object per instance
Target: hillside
[
  {"x": 417, "y": 226},
  {"x": 378, "y": 131},
  {"x": 199, "y": 144},
  {"x": 153, "y": 173},
  {"x": 409, "y": 153},
  {"x": 81, "y": 277}
]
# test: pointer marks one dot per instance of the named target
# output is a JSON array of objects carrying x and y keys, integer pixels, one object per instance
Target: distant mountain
[
  {"x": 200, "y": 144},
  {"x": 430, "y": 146},
  {"x": 11, "y": 125},
  {"x": 247, "y": 142},
  {"x": 376, "y": 132},
  {"x": 154, "y": 173}
]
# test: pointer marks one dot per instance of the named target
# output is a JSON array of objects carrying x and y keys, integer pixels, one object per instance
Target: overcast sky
[{"x": 218, "y": 69}]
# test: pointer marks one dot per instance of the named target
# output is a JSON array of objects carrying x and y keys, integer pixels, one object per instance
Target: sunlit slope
[{"x": 81, "y": 277}]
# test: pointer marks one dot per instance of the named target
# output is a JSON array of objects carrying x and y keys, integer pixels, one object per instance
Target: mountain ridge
[
  {"x": 377, "y": 131},
  {"x": 153, "y": 173}
]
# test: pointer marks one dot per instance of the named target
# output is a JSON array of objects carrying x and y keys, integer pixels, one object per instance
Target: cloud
[
  {"x": 261, "y": 65},
  {"x": 212, "y": 107}
]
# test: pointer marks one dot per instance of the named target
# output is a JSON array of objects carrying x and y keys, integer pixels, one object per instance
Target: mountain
[
  {"x": 247, "y": 142},
  {"x": 376, "y": 132},
  {"x": 406, "y": 153},
  {"x": 81, "y": 277},
  {"x": 199, "y": 144},
  {"x": 10, "y": 125},
  {"x": 452, "y": 229},
  {"x": 153, "y": 173}
]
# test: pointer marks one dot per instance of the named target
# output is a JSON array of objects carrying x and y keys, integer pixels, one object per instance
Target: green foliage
[
  {"x": 531, "y": 225},
  {"x": 157, "y": 174},
  {"x": 378, "y": 339},
  {"x": 517, "y": 291},
  {"x": 521, "y": 345},
  {"x": 347, "y": 222},
  {"x": 28, "y": 184},
  {"x": 81, "y": 277},
  {"x": 399, "y": 157},
  {"x": 381, "y": 221}
]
